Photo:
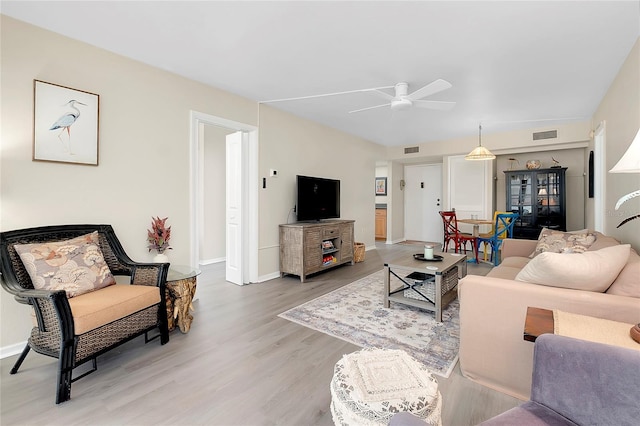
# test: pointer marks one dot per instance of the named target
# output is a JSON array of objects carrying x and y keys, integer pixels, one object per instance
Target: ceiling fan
[{"x": 402, "y": 100}]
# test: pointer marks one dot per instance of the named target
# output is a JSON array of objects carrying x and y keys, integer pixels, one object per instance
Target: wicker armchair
[{"x": 54, "y": 334}]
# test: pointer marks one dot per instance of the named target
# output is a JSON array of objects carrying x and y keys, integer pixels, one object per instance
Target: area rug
[{"x": 355, "y": 313}]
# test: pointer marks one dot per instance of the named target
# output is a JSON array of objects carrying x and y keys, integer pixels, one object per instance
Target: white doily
[{"x": 371, "y": 385}]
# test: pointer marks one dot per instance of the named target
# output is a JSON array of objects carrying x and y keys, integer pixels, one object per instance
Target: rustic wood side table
[
  {"x": 538, "y": 321},
  {"x": 180, "y": 290}
]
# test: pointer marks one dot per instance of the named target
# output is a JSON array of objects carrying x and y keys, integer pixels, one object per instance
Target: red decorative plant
[{"x": 159, "y": 234}]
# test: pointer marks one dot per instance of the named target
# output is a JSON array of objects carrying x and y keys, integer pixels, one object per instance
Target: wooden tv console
[{"x": 310, "y": 247}]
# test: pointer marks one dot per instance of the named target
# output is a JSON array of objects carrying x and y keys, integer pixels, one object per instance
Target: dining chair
[
  {"x": 452, "y": 233},
  {"x": 502, "y": 228},
  {"x": 490, "y": 233}
]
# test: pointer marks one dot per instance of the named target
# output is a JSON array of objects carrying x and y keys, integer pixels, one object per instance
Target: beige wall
[
  {"x": 297, "y": 146},
  {"x": 620, "y": 109},
  {"x": 144, "y": 153},
  {"x": 212, "y": 238},
  {"x": 517, "y": 141}
]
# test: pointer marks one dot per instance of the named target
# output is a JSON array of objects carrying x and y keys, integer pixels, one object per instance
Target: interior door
[
  {"x": 423, "y": 195},
  {"x": 470, "y": 190},
  {"x": 236, "y": 146}
]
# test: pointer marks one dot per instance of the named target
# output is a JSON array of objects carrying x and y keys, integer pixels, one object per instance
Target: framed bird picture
[{"x": 65, "y": 124}]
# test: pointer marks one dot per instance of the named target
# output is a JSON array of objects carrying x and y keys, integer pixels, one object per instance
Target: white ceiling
[{"x": 512, "y": 64}]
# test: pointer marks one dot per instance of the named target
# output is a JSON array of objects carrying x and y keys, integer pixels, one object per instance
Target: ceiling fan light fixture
[
  {"x": 480, "y": 152},
  {"x": 401, "y": 104}
]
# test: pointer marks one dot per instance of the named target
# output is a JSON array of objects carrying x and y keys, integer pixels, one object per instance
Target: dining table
[{"x": 476, "y": 224}]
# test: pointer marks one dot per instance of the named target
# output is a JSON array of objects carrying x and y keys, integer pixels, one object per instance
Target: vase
[
  {"x": 533, "y": 164},
  {"x": 161, "y": 258}
]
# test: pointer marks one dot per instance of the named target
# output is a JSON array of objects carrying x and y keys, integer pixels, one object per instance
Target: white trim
[
  {"x": 268, "y": 277},
  {"x": 250, "y": 253},
  {"x": 11, "y": 350},
  {"x": 253, "y": 187},
  {"x": 212, "y": 261},
  {"x": 600, "y": 176}
]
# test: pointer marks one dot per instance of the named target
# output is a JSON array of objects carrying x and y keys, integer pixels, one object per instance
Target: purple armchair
[{"x": 575, "y": 382}]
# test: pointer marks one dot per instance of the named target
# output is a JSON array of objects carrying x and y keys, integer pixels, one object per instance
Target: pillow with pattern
[
  {"x": 76, "y": 266},
  {"x": 563, "y": 242}
]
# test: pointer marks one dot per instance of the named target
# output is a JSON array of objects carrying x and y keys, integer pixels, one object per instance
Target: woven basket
[
  {"x": 428, "y": 287},
  {"x": 358, "y": 252}
]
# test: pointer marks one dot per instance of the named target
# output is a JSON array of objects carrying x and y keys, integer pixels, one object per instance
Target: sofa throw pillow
[
  {"x": 627, "y": 283},
  {"x": 589, "y": 271},
  {"x": 76, "y": 265},
  {"x": 563, "y": 242}
]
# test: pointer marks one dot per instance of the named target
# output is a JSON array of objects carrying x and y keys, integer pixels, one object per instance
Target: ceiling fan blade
[
  {"x": 437, "y": 86},
  {"x": 364, "y": 109},
  {"x": 374, "y": 89},
  {"x": 383, "y": 95},
  {"x": 439, "y": 105}
]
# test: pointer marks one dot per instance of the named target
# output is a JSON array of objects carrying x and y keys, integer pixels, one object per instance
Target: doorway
[
  {"x": 247, "y": 166},
  {"x": 423, "y": 201}
]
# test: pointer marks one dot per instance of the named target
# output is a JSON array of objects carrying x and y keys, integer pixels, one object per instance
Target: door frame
[
  {"x": 196, "y": 209},
  {"x": 600, "y": 176}
]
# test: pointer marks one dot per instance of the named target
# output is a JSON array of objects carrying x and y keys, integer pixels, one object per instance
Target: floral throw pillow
[
  {"x": 76, "y": 266},
  {"x": 563, "y": 242}
]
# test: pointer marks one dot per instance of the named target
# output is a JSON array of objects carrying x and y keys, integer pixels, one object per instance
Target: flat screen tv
[{"x": 318, "y": 198}]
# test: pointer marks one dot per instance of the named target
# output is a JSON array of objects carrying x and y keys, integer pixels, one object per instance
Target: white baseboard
[
  {"x": 268, "y": 277},
  {"x": 212, "y": 261},
  {"x": 15, "y": 349}
]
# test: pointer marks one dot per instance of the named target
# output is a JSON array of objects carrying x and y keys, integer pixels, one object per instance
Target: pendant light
[{"x": 480, "y": 152}]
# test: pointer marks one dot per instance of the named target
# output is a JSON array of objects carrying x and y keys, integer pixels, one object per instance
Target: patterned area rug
[{"x": 355, "y": 313}]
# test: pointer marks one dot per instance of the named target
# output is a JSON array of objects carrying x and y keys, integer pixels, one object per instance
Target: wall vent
[
  {"x": 411, "y": 150},
  {"x": 551, "y": 134}
]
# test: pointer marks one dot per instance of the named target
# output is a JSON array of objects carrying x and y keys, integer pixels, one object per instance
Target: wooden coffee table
[
  {"x": 538, "y": 321},
  {"x": 440, "y": 270}
]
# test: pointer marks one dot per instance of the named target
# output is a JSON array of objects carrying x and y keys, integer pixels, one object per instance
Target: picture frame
[
  {"x": 65, "y": 124},
  {"x": 381, "y": 186}
]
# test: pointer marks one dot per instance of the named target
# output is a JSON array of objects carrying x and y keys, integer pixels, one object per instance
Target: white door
[
  {"x": 422, "y": 202},
  {"x": 236, "y": 146},
  {"x": 470, "y": 190}
]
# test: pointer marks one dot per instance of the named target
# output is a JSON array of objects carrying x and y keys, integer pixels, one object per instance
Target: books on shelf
[{"x": 328, "y": 259}]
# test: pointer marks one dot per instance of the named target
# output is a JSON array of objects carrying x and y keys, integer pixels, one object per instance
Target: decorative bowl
[{"x": 533, "y": 164}]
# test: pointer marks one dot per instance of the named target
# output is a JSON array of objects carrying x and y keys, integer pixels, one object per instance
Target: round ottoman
[{"x": 371, "y": 385}]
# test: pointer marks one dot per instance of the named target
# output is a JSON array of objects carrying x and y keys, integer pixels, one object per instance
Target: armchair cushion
[
  {"x": 75, "y": 265},
  {"x": 589, "y": 271},
  {"x": 94, "y": 309}
]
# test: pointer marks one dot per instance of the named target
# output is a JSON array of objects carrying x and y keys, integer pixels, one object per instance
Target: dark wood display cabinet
[{"x": 539, "y": 197}]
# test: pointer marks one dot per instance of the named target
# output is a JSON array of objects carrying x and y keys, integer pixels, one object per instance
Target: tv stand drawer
[{"x": 332, "y": 232}]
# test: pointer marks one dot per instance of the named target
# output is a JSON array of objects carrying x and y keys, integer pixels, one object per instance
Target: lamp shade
[
  {"x": 480, "y": 153},
  {"x": 630, "y": 161}
]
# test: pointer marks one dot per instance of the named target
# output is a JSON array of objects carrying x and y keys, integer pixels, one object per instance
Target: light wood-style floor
[{"x": 239, "y": 365}]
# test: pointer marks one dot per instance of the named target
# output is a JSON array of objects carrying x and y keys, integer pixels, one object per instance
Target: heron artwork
[{"x": 66, "y": 121}]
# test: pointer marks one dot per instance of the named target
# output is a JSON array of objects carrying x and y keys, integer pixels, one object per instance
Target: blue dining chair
[{"x": 503, "y": 228}]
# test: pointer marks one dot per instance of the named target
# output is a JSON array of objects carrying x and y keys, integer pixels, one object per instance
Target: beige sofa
[{"x": 493, "y": 310}]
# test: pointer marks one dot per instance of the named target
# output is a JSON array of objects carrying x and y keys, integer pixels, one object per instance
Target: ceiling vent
[
  {"x": 411, "y": 150},
  {"x": 550, "y": 134}
]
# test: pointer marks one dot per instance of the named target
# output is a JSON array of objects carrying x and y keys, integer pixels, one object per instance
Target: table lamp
[{"x": 629, "y": 163}]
